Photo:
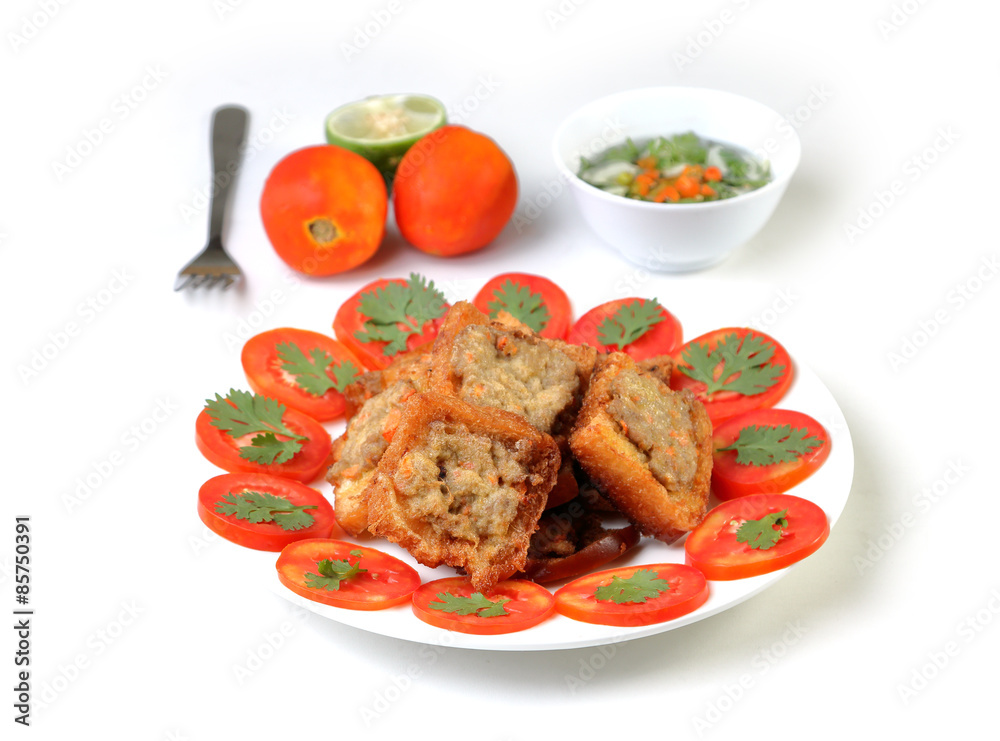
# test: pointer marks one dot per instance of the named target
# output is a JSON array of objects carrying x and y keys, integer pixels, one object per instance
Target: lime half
[{"x": 382, "y": 127}]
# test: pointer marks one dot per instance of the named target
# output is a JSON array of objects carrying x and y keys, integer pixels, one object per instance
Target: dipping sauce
[{"x": 683, "y": 168}]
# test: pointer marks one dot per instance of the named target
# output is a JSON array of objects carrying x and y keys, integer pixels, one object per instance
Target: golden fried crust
[
  {"x": 445, "y": 378},
  {"x": 461, "y": 315},
  {"x": 360, "y": 390},
  {"x": 464, "y": 486},
  {"x": 660, "y": 367},
  {"x": 663, "y": 506},
  {"x": 355, "y": 453},
  {"x": 413, "y": 366}
]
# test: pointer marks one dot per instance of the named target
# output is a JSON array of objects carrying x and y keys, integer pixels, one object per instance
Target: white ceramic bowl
[{"x": 676, "y": 237}]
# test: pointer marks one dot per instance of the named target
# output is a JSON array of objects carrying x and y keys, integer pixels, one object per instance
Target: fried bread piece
[
  {"x": 648, "y": 448},
  {"x": 413, "y": 366},
  {"x": 358, "y": 450},
  {"x": 462, "y": 485},
  {"x": 502, "y": 364},
  {"x": 660, "y": 366}
]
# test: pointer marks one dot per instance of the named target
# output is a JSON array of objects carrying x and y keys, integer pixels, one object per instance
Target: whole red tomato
[
  {"x": 454, "y": 191},
  {"x": 324, "y": 209}
]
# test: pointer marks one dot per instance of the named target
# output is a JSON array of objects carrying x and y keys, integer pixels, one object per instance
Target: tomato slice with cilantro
[
  {"x": 342, "y": 574},
  {"x": 733, "y": 370},
  {"x": 305, "y": 370},
  {"x": 766, "y": 451},
  {"x": 454, "y": 604},
  {"x": 248, "y": 433},
  {"x": 636, "y": 595},
  {"x": 754, "y": 535},
  {"x": 639, "y": 327},
  {"x": 532, "y": 299},
  {"x": 262, "y": 511},
  {"x": 388, "y": 317}
]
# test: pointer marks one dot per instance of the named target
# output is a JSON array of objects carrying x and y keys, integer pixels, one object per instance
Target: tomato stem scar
[{"x": 323, "y": 230}]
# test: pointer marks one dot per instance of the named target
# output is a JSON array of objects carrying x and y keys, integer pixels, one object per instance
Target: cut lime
[{"x": 382, "y": 127}]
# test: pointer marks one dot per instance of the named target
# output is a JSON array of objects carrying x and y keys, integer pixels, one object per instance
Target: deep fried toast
[
  {"x": 660, "y": 366},
  {"x": 358, "y": 450},
  {"x": 413, "y": 366},
  {"x": 502, "y": 364},
  {"x": 462, "y": 485},
  {"x": 646, "y": 447}
]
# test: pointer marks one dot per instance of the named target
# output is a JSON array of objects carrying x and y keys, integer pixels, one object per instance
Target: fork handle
[{"x": 229, "y": 132}]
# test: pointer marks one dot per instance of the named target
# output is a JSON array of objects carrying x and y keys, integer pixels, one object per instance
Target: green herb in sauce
[{"x": 683, "y": 168}]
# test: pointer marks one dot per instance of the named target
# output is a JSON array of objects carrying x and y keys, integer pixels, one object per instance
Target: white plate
[{"x": 829, "y": 487}]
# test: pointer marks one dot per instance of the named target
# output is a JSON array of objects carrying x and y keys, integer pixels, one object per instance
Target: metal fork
[{"x": 213, "y": 265}]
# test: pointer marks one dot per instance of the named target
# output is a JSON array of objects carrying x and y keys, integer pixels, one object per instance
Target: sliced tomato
[
  {"x": 714, "y": 550},
  {"x": 383, "y": 580},
  {"x": 349, "y": 322},
  {"x": 267, "y": 375},
  {"x": 527, "y": 604},
  {"x": 724, "y": 403},
  {"x": 267, "y": 529},
  {"x": 509, "y": 290},
  {"x": 731, "y": 479},
  {"x": 685, "y": 592},
  {"x": 662, "y": 338},
  {"x": 223, "y": 449}
]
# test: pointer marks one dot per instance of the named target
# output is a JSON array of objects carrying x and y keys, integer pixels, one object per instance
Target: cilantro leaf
[
  {"x": 396, "y": 311},
  {"x": 311, "y": 372},
  {"x": 644, "y": 584},
  {"x": 630, "y": 322},
  {"x": 332, "y": 573},
  {"x": 476, "y": 604},
  {"x": 241, "y": 413},
  {"x": 256, "y": 506},
  {"x": 689, "y": 148},
  {"x": 520, "y": 303},
  {"x": 761, "y": 534},
  {"x": 743, "y": 366},
  {"x": 763, "y": 445}
]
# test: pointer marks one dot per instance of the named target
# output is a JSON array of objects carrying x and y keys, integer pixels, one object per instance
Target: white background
[{"x": 143, "y": 627}]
